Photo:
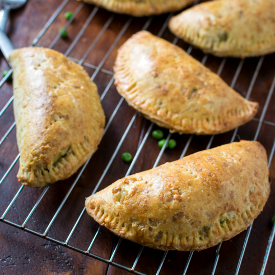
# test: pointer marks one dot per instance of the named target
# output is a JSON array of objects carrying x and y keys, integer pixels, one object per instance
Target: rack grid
[{"x": 98, "y": 70}]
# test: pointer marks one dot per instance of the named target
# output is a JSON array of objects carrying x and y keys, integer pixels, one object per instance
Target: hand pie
[
  {"x": 236, "y": 28},
  {"x": 59, "y": 118},
  {"x": 141, "y": 8},
  {"x": 189, "y": 204},
  {"x": 174, "y": 90}
]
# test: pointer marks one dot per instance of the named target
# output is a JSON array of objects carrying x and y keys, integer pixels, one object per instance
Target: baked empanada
[
  {"x": 59, "y": 118},
  {"x": 236, "y": 28},
  {"x": 174, "y": 90},
  {"x": 189, "y": 204},
  {"x": 141, "y": 8}
]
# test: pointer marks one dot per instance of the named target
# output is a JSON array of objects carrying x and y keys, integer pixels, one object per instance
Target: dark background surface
[{"x": 25, "y": 253}]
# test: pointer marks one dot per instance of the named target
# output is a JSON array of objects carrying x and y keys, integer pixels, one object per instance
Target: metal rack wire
[{"x": 144, "y": 138}]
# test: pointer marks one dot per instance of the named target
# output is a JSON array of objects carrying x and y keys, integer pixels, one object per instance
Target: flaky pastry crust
[
  {"x": 189, "y": 204},
  {"x": 236, "y": 28},
  {"x": 141, "y": 8},
  {"x": 174, "y": 90},
  {"x": 59, "y": 118}
]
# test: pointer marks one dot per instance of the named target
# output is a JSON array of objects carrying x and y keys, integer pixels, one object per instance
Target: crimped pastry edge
[
  {"x": 226, "y": 225},
  {"x": 131, "y": 8},
  {"x": 205, "y": 126},
  {"x": 66, "y": 167},
  {"x": 139, "y": 234},
  {"x": 35, "y": 173},
  {"x": 229, "y": 48}
]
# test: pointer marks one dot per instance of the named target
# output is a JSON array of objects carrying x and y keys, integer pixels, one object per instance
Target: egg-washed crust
[
  {"x": 189, "y": 204},
  {"x": 59, "y": 118},
  {"x": 141, "y": 8},
  {"x": 174, "y": 90},
  {"x": 235, "y": 28}
]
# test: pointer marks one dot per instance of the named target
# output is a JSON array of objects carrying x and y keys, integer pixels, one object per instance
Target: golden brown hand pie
[
  {"x": 174, "y": 90},
  {"x": 189, "y": 204},
  {"x": 236, "y": 28},
  {"x": 141, "y": 8},
  {"x": 59, "y": 118}
]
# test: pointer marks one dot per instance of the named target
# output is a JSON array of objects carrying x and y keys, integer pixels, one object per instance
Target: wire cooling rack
[{"x": 57, "y": 213}]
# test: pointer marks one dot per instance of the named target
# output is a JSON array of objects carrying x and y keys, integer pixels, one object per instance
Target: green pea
[
  {"x": 161, "y": 143},
  {"x": 127, "y": 157},
  {"x": 157, "y": 134},
  {"x": 5, "y": 73},
  {"x": 172, "y": 143},
  {"x": 273, "y": 220},
  {"x": 68, "y": 15},
  {"x": 63, "y": 33}
]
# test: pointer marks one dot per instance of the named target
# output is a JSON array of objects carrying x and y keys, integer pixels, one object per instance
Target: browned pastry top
[
  {"x": 174, "y": 90},
  {"x": 141, "y": 7},
  {"x": 58, "y": 115},
  {"x": 236, "y": 28},
  {"x": 189, "y": 204}
]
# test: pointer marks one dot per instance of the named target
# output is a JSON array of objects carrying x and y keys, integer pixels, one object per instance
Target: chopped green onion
[
  {"x": 127, "y": 157},
  {"x": 157, "y": 134},
  {"x": 68, "y": 15},
  {"x": 63, "y": 33}
]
